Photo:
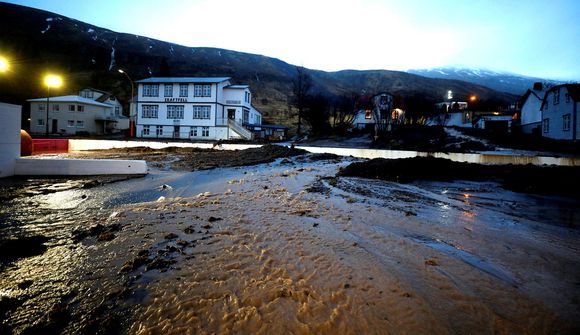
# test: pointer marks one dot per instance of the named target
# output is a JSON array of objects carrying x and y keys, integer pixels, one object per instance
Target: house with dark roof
[
  {"x": 560, "y": 112},
  {"x": 531, "y": 113},
  {"x": 195, "y": 108}
]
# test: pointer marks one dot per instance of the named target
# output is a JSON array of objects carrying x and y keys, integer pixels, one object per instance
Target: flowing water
[{"x": 288, "y": 248}]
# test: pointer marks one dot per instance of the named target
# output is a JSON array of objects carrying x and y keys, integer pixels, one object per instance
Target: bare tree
[{"x": 301, "y": 86}]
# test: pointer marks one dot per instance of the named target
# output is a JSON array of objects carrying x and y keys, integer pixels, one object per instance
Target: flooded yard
[{"x": 289, "y": 247}]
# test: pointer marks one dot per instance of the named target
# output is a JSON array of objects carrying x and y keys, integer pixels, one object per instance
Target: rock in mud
[{"x": 14, "y": 248}]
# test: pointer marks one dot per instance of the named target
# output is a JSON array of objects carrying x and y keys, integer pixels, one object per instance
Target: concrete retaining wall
[
  {"x": 9, "y": 138},
  {"x": 77, "y": 167}
]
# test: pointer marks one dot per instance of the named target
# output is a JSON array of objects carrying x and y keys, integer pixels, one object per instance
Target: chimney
[{"x": 537, "y": 86}]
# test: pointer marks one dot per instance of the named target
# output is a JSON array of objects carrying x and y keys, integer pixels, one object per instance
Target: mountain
[
  {"x": 499, "y": 81},
  {"x": 38, "y": 41}
]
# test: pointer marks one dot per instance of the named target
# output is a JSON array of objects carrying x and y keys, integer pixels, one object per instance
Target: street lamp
[
  {"x": 50, "y": 80},
  {"x": 132, "y": 108},
  {"x": 3, "y": 64}
]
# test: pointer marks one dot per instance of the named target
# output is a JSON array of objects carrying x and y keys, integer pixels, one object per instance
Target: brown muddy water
[{"x": 287, "y": 247}]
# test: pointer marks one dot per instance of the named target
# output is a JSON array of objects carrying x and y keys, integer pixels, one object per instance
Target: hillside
[
  {"x": 499, "y": 81},
  {"x": 87, "y": 56}
]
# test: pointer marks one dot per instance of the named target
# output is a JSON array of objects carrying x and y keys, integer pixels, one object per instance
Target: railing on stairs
[{"x": 240, "y": 130}]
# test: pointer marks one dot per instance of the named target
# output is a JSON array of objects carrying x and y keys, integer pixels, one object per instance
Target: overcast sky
[{"x": 531, "y": 37}]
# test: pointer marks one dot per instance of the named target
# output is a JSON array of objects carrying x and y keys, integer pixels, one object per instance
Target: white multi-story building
[
  {"x": 92, "y": 112},
  {"x": 199, "y": 108}
]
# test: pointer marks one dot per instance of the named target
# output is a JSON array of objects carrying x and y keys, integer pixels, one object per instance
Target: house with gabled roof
[
  {"x": 560, "y": 108},
  {"x": 531, "y": 113},
  {"x": 195, "y": 108}
]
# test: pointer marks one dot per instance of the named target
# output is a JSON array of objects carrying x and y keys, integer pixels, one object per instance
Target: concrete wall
[{"x": 9, "y": 138}]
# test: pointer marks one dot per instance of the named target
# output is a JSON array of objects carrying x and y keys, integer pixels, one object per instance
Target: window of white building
[
  {"x": 168, "y": 90},
  {"x": 149, "y": 111},
  {"x": 567, "y": 98},
  {"x": 150, "y": 90},
  {"x": 201, "y": 112},
  {"x": 55, "y": 108},
  {"x": 183, "y": 90},
  {"x": 159, "y": 130},
  {"x": 205, "y": 131},
  {"x": 556, "y": 96},
  {"x": 175, "y": 112},
  {"x": 146, "y": 130},
  {"x": 70, "y": 123},
  {"x": 71, "y": 108},
  {"x": 117, "y": 111},
  {"x": 246, "y": 116},
  {"x": 566, "y": 122},
  {"x": 80, "y": 108},
  {"x": 80, "y": 124},
  {"x": 193, "y": 132},
  {"x": 200, "y": 90},
  {"x": 546, "y": 125},
  {"x": 41, "y": 107},
  {"x": 40, "y": 122}
]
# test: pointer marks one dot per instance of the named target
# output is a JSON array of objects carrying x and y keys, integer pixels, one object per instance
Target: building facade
[
  {"x": 560, "y": 112},
  {"x": 195, "y": 108},
  {"x": 531, "y": 115},
  {"x": 73, "y": 114}
]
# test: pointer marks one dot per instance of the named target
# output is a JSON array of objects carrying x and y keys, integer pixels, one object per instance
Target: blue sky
[{"x": 531, "y": 37}]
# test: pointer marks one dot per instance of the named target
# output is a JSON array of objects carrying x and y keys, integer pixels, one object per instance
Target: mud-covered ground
[{"x": 289, "y": 246}]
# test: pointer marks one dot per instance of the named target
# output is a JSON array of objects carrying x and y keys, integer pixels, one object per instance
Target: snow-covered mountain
[{"x": 500, "y": 81}]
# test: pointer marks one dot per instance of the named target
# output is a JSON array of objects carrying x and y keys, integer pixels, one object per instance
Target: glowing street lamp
[
  {"x": 3, "y": 64},
  {"x": 131, "y": 111},
  {"x": 55, "y": 81},
  {"x": 472, "y": 98}
]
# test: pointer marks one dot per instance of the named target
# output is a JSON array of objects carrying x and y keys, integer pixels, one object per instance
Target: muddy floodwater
[{"x": 288, "y": 247}]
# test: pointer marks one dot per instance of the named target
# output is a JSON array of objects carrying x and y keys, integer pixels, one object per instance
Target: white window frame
[
  {"x": 204, "y": 131},
  {"x": 193, "y": 131},
  {"x": 566, "y": 122},
  {"x": 41, "y": 108},
  {"x": 202, "y": 90},
  {"x": 149, "y": 111},
  {"x": 150, "y": 90},
  {"x": 56, "y": 108},
  {"x": 546, "y": 125},
  {"x": 80, "y": 124},
  {"x": 168, "y": 90},
  {"x": 146, "y": 130},
  {"x": 183, "y": 90},
  {"x": 40, "y": 122},
  {"x": 158, "y": 130},
  {"x": 175, "y": 112},
  {"x": 556, "y": 96},
  {"x": 70, "y": 123},
  {"x": 202, "y": 112},
  {"x": 80, "y": 108},
  {"x": 71, "y": 108}
]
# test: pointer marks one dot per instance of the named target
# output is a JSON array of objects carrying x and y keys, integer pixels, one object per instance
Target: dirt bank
[
  {"x": 190, "y": 159},
  {"x": 557, "y": 180}
]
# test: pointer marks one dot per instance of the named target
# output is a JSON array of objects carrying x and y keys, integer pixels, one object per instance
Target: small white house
[
  {"x": 73, "y": 114},
  {"x": 560, "y": 112},
  {"x": 375, "y": 112},
  {"x": 196, "y": 108},
  {"x": 531, "y": 115}
]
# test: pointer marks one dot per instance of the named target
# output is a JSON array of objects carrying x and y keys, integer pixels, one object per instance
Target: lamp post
[
  {"x": 50, "y": 80},
  {"x": 132, "y": 108}
]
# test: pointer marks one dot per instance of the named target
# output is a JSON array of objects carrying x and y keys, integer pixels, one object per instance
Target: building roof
[
  {"x": 237, "y": 86},
  {"x": 71, "y": 98},
  {"x": 573, "y": 91},
  {"x": 171, "y": 80}
]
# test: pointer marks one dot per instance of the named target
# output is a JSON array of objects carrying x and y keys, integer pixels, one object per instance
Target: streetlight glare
[
  {"x": 3, "y": 64},
  {"x": 52, "y": 80},
  {"x": 121, "y": 71}
]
